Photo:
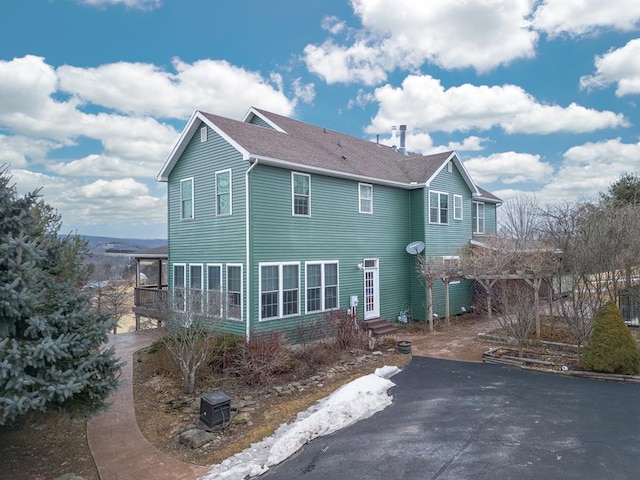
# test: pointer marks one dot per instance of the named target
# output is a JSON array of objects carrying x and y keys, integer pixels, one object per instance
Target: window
[
  {"x": 477, "y": 217},
  {"x": 179, "y": 282},
  {"x": 279, "y": 290},
  {"x": 195, "y": 287},
  {"x": 186, "y": 199},
  {"x": 301, "y": 193},
  {"x": 203, "y": 134},
  {"x": 450, "y": 167},
  {"x": 223, "y": 192},
  {"x": 451, "y": 262},
  {"x": 214, "y": 289},
  {"x": 438, "y": 207},
  {"x": 322, "y": 286},
  {"x": 234, "y": 292},
  {"x": 365, "y": 198},
  {"x": 457, "y": 207}
]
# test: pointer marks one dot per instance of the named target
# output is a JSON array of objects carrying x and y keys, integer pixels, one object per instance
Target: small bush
[
  {"x": 260, "y": 359},
  {"x": 343, "y": 332},
  {"x": 611, "y": 348}
]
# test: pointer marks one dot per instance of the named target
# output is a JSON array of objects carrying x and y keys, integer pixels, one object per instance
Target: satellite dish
[{"x": 415, "y": 248}]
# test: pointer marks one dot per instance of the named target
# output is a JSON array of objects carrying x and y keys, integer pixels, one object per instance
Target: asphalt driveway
[{"x": 459, "y": 420}]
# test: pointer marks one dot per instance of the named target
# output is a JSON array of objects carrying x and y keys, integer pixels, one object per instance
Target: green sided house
[{"x": 273, "y": 221}]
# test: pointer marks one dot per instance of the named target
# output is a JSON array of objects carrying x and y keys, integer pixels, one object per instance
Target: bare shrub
[
  {"x": 342, "y": 330},
  {"x": 260, "y": 359}
]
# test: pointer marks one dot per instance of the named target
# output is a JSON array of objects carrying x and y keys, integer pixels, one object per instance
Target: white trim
[
  {"x": 293, "y": 195},
  {"x": 476, "y": 230},
  {"x": 247, "y": 245},
  {"x": 191, "y": 288},
  {"x": 375, "y": 269},
  {"x": 464, "y": 173},
  {"x": 429, "y": 192},
  {"x": 185, "y": 137},
  {"x": 360, "y": 210},
  {"x": 281, "y": 290},
  {"x": 226, "y": 290},
  {"x": 460, "y": 207},
  {"x": 450, "y": 167},
  {"x": 221, "y": 290},
  {"x": 227, "y": 170},
  {"x": 254, "y": 113},
  {"x": 203, "y": 134},
  {"x": 184, "y": 282},
  {"x": 323, "y": 306},
  {"x": 193, "y": 203}
]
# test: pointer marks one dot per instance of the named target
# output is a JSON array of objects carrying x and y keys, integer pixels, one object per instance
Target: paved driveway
[{"x": 458, "y": 420}]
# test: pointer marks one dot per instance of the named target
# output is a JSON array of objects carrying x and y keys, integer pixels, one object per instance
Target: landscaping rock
[
  {"x": 195, "y": 438},
  {"x": 242, "y": 418},
  {"x": 69, "y": 476}
]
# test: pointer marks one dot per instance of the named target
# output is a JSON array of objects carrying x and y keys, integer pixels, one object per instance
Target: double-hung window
[
  {"x": 195, "y": 288},
  {"x": 223, "y": 192},
  {"x": 279, "y": 290},
  {"x": 477, "y": 217},
  {"x": 457, "y": 207},
  {"x": 300, "y": 194},
  {"x": 186, "y": 199},
  {"x": 438, "y": 207},
  {"x": 234, "y": 292},
  {"x": 365, "y": 198},
  {"x": 321, "y": 286},
  {"x": 214, "y": 290}
]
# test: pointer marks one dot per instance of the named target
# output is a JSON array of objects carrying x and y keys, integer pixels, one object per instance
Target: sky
[
  {"x": 355, "y": 401},
  {"x": 537, "y": 97}
]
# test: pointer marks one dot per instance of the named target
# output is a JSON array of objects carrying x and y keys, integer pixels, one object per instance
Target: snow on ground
[{"x": 352, "y": 402}]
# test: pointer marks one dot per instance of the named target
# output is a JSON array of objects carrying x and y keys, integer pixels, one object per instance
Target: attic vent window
[
  {"x": 450, "y": 167},
  {"x": 203, "y": 134}
]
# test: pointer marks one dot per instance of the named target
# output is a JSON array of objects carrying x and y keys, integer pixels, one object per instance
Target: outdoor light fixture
[{"x": 360, "y": 266}]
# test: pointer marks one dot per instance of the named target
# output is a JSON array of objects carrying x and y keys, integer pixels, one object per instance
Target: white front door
[{"x": 371, "y": 289}]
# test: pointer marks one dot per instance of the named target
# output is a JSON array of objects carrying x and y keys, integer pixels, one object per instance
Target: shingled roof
[{"x": 297, "y": 145}]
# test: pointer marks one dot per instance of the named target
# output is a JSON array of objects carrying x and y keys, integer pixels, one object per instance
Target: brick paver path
[{"x": 119, "y": 449}]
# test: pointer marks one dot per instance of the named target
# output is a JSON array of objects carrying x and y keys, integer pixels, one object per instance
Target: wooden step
[{"x": 379, "y": 327}]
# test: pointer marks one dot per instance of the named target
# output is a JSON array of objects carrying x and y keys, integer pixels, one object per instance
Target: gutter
[{"x": 247, "y": 250}]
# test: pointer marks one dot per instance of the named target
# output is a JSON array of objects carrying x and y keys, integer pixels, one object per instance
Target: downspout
[{"x": 248, "y": 250}]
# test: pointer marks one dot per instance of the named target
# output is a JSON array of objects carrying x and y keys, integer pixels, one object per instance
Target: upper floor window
[
  {"x": 457, "y": 207},
  {"x": 301, "y": 194},
  {"x": 477, "y": 217},
  {"x": 322, "y": 286},
  {"x": 186, "y": 199},
  {"x": 279, "y": 290},
  {"x": 438, "y": 207},
  {"x": 223, "y": 192},
  {"x": 203, "y": 134},
  {"x": 365, "y": 198}
]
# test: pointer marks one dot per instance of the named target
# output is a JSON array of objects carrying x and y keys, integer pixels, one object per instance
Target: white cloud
[
  {"x": 18, "y": 151},
  {"x": 621, "y": 66},
  {"x": 306, "y": 92},
  {"x": 333, "y": 24},
  {"x": 590, "y": 168},
  {"x": 424, "y": 104},
  {"x": 146, "y": 89},
  {"x": 578, "y": 17},
  {"x": 122, "y": 188},
  {"x": 134, "y": 4},
  {"x": 480, "y": 34},
  {"x": 509, "y": 167}
]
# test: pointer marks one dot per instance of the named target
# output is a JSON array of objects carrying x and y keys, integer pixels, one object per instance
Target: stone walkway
[
  {"x": 119, "y": 449},
  {"x": 121, "y": 452}
]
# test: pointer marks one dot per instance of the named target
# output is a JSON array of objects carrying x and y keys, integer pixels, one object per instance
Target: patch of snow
[{"x": 349, "y": 404}]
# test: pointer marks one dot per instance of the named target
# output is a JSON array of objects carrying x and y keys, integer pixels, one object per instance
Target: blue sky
[{"x": 537, "y": 97}]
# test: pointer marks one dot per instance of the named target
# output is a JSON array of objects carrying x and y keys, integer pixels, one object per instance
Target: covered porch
[{"x": 150, "y": 294}]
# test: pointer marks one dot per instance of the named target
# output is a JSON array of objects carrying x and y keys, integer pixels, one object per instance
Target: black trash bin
[{"x": 215, "y": 408}]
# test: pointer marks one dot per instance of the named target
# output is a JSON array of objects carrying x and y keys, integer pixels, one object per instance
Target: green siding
[
  {"x": 208, "y": 238},
  {"x": 255, "y": 120},
  {"x": 334, "y": 231}
]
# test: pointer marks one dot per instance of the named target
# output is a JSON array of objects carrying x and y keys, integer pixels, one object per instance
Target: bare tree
[
  {"x": 430, "y": 269},
  {"x": 517, "y": 310},
  {"x": 190, "y": 330},
  {"x": 520, "y": 219},
  {"x": 113, "y": 298}
]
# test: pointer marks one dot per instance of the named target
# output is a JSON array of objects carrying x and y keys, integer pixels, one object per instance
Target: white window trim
[
  {"x": 193, "y": 203},
  {"x": 476, "y": 230},
  {"x": 280, "y": 266},
  {"x": 226, "y": 291},
  {"x": 293, "y": 195},
  {"x": 230, "y": 193},
  {"x": 203, "y": 134},
  {"x": 457, "y": 198},
  {"x": 190, "y": 288},
  {"x": 448, "y": 207},
  {"x": 322, "y": 286},
  {"x": 184, "y": 281},
  {"x": 219, "y": 265},
  {"x": 450, "y": 167},
  {"x": 360, "y": 210}
]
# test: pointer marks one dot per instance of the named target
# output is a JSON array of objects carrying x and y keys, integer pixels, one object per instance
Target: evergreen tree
[
  {"x": 624, "y": 191},
  {"x": 50, "y": 338}
]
